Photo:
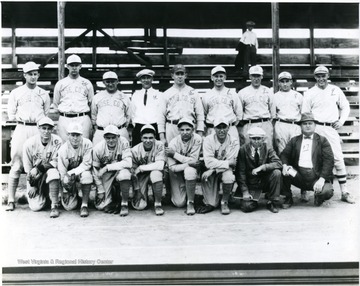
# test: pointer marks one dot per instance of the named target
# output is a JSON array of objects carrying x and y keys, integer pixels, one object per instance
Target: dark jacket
[
  {"x": 246, "y": 163},
  {"x": 322, "y": 155}
]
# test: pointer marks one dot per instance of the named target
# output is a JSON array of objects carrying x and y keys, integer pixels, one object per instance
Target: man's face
[
  {"x": 111, "y": 85},
  {"x": 218, "y": 79},
  {"x": 186, "y": 132},
  {"x": 256, "y": 141},
  {"x": 45, "y": 132},
  {"x": 111, "y": 140},
  {"x": 31, "y": 77},
  {"x": 75, "y": 139},
  {"x": 285, "y": 84},
  {"x": 179, "y": 77},
  {"x": 221, "y": 131},
  {"x": 308, "y": 128},
  {"x": 255, "y": 79},
  {"x": 146, "y": 81},
  {"x": 74, "y": 69},
  {"x": 148, "y": 140},
  {"x": 322, "y": 80}
]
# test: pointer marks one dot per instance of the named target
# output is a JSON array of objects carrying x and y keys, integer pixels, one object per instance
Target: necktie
[
  {"x": 256, "y": 157},
  {"x": 145, "y": 97}
]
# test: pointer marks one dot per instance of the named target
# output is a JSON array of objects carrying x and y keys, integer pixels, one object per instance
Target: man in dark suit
[
  {"x": 308, "y": 162},
  {"x": 258, "y": 170}
]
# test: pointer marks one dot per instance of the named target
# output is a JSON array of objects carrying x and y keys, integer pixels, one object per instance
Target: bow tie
[{"x": 307, "y": 137}]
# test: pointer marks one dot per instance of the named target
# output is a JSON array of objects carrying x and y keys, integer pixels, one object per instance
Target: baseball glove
[{"x": 69, "y": 182}]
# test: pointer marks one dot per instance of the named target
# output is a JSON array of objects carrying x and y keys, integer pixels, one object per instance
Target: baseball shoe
[
  {"x": 271, "y": 207},
  {"x": 116, "y": 210},
  {"x": 124, "y": 210},
  {"x": 304, "y": 197},
  {"x": 318, "y": 201},
  {"x": 54, "y": 212},
  {"x": 288, "y": 202},
  {"x": 10, "y": 207},
  {"x": 190, "y": 210},
  {"x": 109, "y": 208},
  {"x": 84, "y": 212},
  {"x": 204, "y": 209},
  {"x": 347, "y": 198},
  {"x": 225, "y": 208},
  {"x": 159, "y": 210}
]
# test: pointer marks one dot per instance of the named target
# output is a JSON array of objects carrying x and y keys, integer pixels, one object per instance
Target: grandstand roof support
[
  {"x": 61, "y": 39},
  {"x": 276, "y": 43}
]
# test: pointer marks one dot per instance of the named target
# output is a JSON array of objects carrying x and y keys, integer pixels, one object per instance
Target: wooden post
[
  {"x": 94, "y": 46},
  {"x": 61, "y": 39},
  {"x": 312, "y": 46},
  {"x": 276, "y": 43},
  {"x": 13, "y": 47},
  {"x": 166, "y": 54}
]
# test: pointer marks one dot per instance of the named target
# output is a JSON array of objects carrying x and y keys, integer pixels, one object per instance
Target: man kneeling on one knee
[
  {"x": 258, "y": 170},
  {"x": 308, "y": 162}
]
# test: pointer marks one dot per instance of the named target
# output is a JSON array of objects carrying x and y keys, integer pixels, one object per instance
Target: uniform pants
[
  {"x": 178, "y": 187},
  {"x": 283, "y": 132},
  {"x": 266, "y": 126},
  {"x": 171, "y": 131},
  {"x": 99, "y": 135},
  {"x": 64, "y": 122}
]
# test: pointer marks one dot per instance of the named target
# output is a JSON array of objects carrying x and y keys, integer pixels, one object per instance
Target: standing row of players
[{"x": 253, "y": 106}]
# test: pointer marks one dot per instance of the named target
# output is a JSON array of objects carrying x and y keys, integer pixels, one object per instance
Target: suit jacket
[
  {"x": 246, "y": 163},
  {"x": 322, "y": 155}
]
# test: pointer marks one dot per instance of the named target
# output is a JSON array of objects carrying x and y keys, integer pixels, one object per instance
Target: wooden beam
[
  {"x": 94, "y": 46},
  {"x": 312, "y": 44},
  {"x": 166, "y": 54},
  {"x": 13, "y": 47},
  {"x": 61, "y": 38},
  {"x": 276, "y": 43}
]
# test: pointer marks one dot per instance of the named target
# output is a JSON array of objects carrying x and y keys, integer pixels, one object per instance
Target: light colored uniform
[
  {"x": 79, "y": 160},
  {"x": 287, "y": 107},
  {"x": 224, "y": 104},
  {"x": 152, "y": 163},
  {"x": 25, "y": 105},
  {"x": 179, "y": 169},
  {"x": 328, "y": 105},
  {"x": 217, "y": 157},
  {"x": 34, "y": 152},
  {"x": 118, "y": 162},
  {"x": 176, "y": 104},
  {"x": 110, "y": 108},
  {"x": 73, "y": 97},
  {"x": 257, "y": 106}
]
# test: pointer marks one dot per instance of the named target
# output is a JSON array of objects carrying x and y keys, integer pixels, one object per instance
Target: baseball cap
[
  {"x": 147, "y": 129},
  {"x": 256, "y": 70},
  {"x": 75, "y": 128},
  {"x": 30, "y": 66},
  {"x": 307, "y": 116},
  {"x": 110, "y": 75},
  {"x": 177, "y": 68},
  {"x": 73, "y": 59},
  {"x": 221, "y": 120},
  {"x": 250, "y": 23},
  {"x": 284, "y": 75},
  {"x": 111, "y": 129},
  {"x": 187, "y": 121},
  {"x": 217, "y": 69},
  {"x": 46, "y": 121},
  {"x": 256, "y": 132},
  {"x": 145, "y": 72},
  {"x": 321, "y": 69}
]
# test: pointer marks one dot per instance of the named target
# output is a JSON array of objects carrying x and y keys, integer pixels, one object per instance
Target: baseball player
[
  {"x": 221, "y": 101},
  {"x": 110, "y": 107},
  {"x": 148, "y": 165},
  {"x": 220, "y": 152},
  {"x": 27, "y": 105},
  {"x": 74, "y": 165},
  {"x": 183, "y": 160},
  {"x": 40, "y": 161},
  {"x": 256, "y": 101},
  {"x": 72, "y": 99},
  {"x": 111, "y": 167},
  {"x": 144, "y": 105},
  {"x": 330, "y": 108}
]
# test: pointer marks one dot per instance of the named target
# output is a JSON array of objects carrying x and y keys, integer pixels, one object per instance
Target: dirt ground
[{"x": 303, "y": 233}]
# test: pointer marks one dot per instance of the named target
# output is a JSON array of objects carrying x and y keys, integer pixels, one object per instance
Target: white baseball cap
[
  {"x": 321, "y": 69},
  {"x": 256, "y": 132},
  {"x": 285, "y": 75},
  {"x": 75, "y": 128},
  {"x": 145, "y": 72},
  {"x": 218, "y": 69},
  {"x": 186, "y": 121},
  {"x": 221, "y": 120},
  {"x": 73, "y": 59},
  {"x": 30, "y": 66},
  {"x": 256, "y": 70},
  {"x": 149, "y": 128},
  {"x": 110, "y": 75},
  {"x": 46, "y": 121},
  {"x": 111, "y": 129}
]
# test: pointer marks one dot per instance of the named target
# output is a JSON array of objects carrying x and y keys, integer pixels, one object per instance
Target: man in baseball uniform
[
  {"x": 330, "y": 108},
  {"x": 72, "y": 99},
  {"x": 27, "y": 105},
  {"x": 144, "y": 105},
  {"x": 221, "y": 101},
  {"x": 40, "y": 162},
  {"x": 74, "y": 165},
  {"x": 111, "y": 168},
  {"x": 148, "y": 165},
  {"x": 110, "y": 107},
  {"x": 183, "y": 160},
  {"x": 220, "y": 152},
  {"x": 256, "y": 101}
]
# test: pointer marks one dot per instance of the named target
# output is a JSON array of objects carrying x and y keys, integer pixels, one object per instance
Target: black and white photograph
[{"x": 180, "y": 143}]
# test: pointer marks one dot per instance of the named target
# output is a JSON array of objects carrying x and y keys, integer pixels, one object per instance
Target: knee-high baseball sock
[
  {"x": 85, "y": 194},
  {"x": 158, "y": 189},
  {"x": 226, "y": 192},
  {"x": 54, "y": 192},
  {"x": 190, "y": 189},
  {"x": 124, "y": 189},
  {"x": 12, "y": 186}
]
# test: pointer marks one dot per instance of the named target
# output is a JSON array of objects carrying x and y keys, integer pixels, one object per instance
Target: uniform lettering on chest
[{"x": 221, "y": 100}]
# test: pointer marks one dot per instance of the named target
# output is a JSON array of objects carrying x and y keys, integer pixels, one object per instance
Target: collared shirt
[
  {"x": 306, "y": 152},
  {"x": 252, "y": 148},
  {"x": 287, "y": 105},
  {"x": 249, "y": 38},
  {"x": 145, "y": 114}
]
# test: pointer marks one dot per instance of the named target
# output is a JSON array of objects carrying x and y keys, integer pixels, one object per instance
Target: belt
[
  {"x": 286, "y": 121},
  {"x": 27, "y": 123},
  {"x": 73, "y": 114},
  {"x": 209, "y": 125},
  {"x": 256, "y": 120},
  {"x": 119, "y": 127},
  {"x": 172, "y": 121},
  {"x": 324, "y": 123}
]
